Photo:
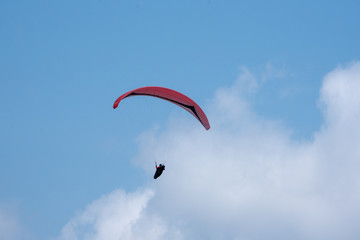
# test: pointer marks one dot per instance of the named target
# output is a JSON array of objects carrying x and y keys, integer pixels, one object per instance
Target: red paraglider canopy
[{"x": 171, "y": 96}]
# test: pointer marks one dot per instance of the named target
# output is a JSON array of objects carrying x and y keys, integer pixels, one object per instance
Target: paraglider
[
  {"x": 172, "y": 96},
  {"x": 159, "y": 170}
]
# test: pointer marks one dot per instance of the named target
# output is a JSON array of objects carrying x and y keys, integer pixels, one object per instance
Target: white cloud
[
  {"x": 340, "y": 95},
  {"x": 117, "y": 215},
  {"x": 245, "y": 178}
]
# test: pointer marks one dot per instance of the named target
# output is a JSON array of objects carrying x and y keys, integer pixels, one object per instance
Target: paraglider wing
[{"x": 171, "y": 96}]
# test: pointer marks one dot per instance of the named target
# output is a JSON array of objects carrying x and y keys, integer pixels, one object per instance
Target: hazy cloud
[{"x": 9, "y": 225}]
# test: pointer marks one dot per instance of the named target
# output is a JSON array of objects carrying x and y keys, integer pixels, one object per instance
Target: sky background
[{"x": 279, "y": 81}]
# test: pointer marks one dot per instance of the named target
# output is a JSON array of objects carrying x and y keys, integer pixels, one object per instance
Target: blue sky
[{"x": 62, "y": 65}]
